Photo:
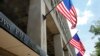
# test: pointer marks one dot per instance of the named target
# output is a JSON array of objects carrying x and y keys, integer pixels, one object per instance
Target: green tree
[
  {"x": 98, "y": 48},
  {"x": 95, "y": 29}
]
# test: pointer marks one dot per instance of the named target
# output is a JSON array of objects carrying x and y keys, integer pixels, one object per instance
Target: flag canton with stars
[
  {"x": 75, "y": 41},
  {"x": 68, "y": 4}
]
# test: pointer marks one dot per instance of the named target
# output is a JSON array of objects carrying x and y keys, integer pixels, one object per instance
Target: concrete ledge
[
  {"x": 10, "y": 46},
  {"x": 11, "y": 28}
]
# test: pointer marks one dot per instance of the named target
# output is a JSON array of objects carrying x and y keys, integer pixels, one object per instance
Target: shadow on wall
[{"x": 16, "y": 11}]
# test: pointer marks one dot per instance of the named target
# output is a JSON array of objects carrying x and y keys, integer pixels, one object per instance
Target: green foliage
[
  {"x": 98, "y": 48},
  {"x": 95, "y": 29}
]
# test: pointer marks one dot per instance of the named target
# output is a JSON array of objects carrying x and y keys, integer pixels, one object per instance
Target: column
[
  {"x": 36, "y": 27},
  {"x": 66, "y": 53},
  {"x": 58, "y": 45}
]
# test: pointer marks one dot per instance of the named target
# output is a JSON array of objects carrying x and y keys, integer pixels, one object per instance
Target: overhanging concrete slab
[
  {"x": 17, "y": 35},
  {"x": 11, "y": 44}
]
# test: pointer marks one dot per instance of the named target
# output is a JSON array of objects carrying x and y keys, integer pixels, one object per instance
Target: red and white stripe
[
  {"x": 82, "y": 52},
  {"x": 78, "y": 45},
  {"x": 68, "y": 14}
]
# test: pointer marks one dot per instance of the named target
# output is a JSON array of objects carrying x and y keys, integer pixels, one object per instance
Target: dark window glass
[{"x": 16, "y": 11}]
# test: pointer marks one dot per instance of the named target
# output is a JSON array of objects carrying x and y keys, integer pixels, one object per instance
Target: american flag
[
  {"x": 66, "y": 8},
  {"x": 75, "y": 41}
]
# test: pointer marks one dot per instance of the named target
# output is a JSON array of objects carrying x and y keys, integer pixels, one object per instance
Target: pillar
[
  {"x": 66, "y": 53},
  {"x": 58, "y": 45},
  {"x": 36, "y": 27}
]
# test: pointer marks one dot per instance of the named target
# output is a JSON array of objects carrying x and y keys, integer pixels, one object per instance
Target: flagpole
[
  {"x": 64, "y": 48},
  {"x": 44, "y": 16}
]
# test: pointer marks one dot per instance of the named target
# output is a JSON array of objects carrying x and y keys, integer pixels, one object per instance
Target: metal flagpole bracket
[
  {"x": 65, "y": 47},
  {"x": 44, "y": 17}
]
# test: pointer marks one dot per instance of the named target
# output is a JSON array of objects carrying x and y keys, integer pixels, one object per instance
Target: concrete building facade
[{"x": 50, "y": 34}]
